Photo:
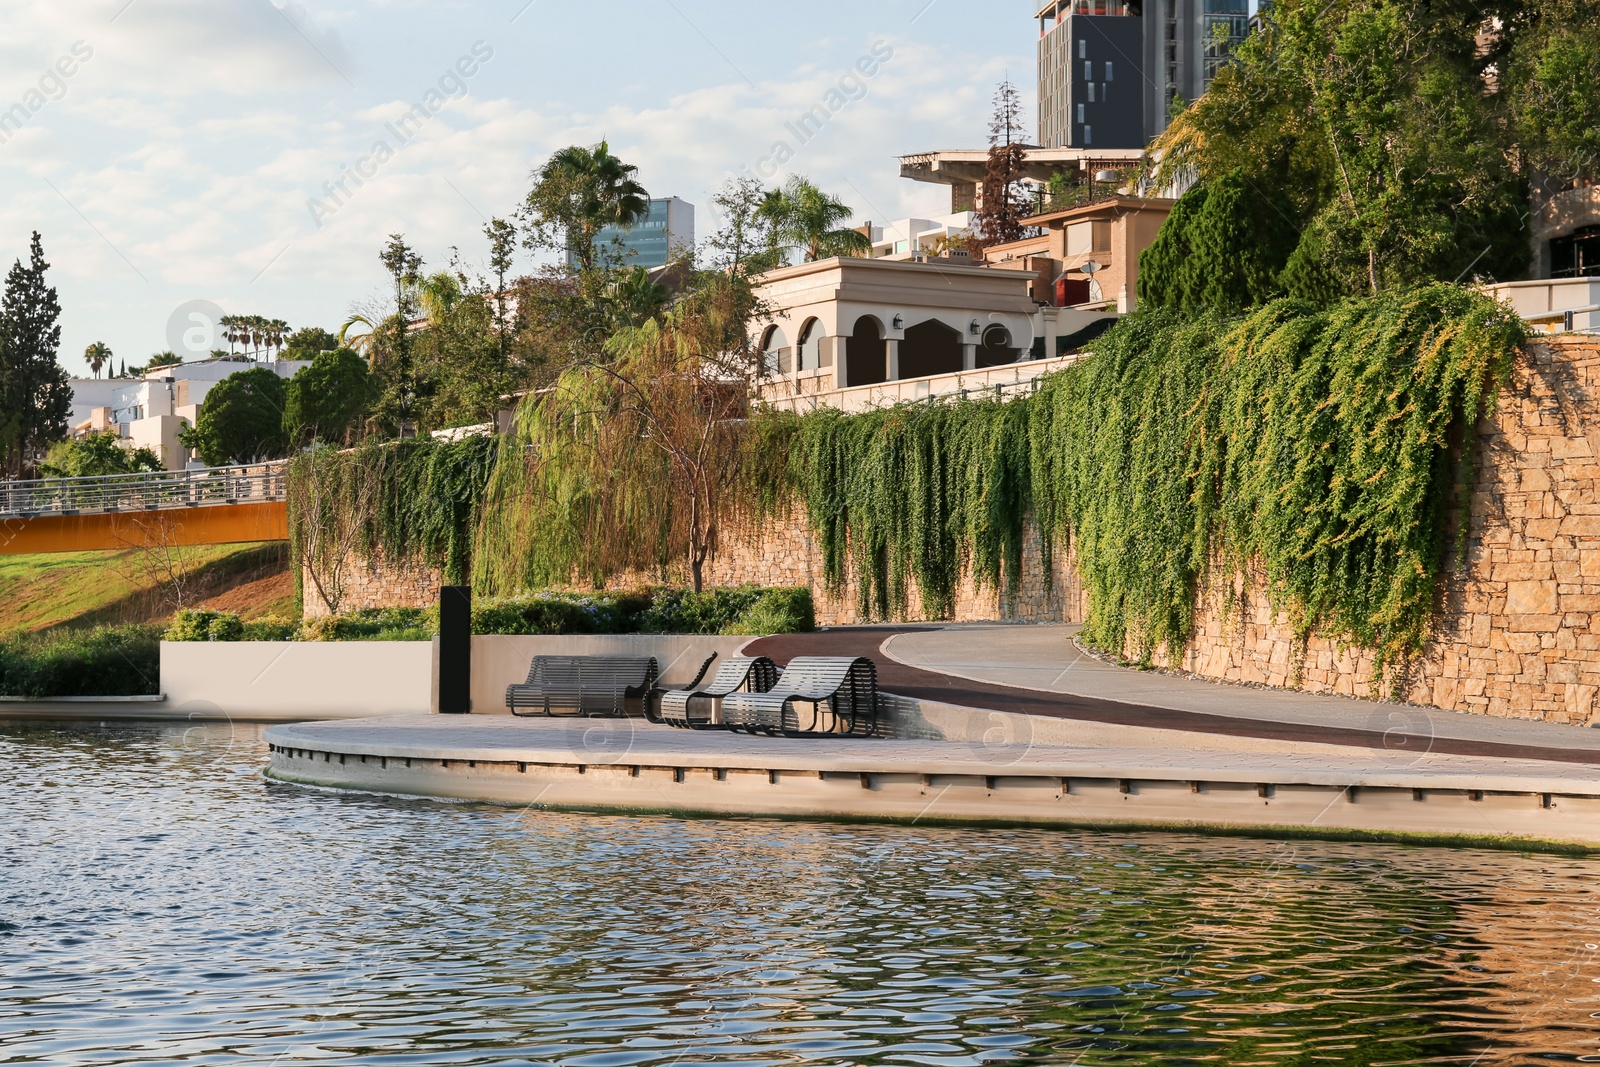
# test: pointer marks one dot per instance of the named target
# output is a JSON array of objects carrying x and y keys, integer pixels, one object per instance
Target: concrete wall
[
  {"x": 290, "y": 680},
  {"x": 501, "y": 660}
]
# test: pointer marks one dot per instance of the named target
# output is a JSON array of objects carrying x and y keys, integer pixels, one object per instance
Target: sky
[{"x": 182, "y": 156}]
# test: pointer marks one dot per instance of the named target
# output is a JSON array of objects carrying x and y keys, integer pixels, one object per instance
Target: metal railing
[{"x": 249, "y": 483}]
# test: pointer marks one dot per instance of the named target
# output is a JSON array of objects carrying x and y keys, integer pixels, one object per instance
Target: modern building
[
  {"x": 914, "y": 238},
  {"x": 962, "y": 169},
  {"x": 152, "y": 410},
  {"x": 666, "y": 231},
  {"x": 1110, "y": 70}
]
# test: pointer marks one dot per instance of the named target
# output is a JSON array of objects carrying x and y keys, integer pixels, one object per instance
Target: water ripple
[{"x": 161, "y": 903}]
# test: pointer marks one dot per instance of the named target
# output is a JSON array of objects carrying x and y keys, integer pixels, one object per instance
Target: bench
[
  {"x": 586, "y": 685},
  {"x": 676, "y": 707},
  {"x": 842, "y": 692}
]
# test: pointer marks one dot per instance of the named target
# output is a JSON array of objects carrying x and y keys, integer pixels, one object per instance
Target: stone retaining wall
[{"x": 1519, "y": 632}]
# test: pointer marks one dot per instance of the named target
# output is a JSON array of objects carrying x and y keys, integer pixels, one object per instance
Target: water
[{"x": 161, "y": 903}]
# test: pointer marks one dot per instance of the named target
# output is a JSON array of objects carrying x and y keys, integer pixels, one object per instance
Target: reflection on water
[{"x": 160, "y": 902}]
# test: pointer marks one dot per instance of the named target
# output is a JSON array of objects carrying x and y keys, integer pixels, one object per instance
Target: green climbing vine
[{"x": 1324, "y": 446}]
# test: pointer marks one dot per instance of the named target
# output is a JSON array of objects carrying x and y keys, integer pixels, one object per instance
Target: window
[
  {"x": 1108, "y": 71},
  {"x": 1088, "y": 71},
  {"x": 1083, "y": 49},
  {"x": 1088, "y": 135},
  {"x": 1091, "y": 94},
  {"x": 1080, "y": 112}
]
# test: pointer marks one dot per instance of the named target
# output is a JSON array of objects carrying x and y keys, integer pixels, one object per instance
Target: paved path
[{"x": 1036, "y": 670}]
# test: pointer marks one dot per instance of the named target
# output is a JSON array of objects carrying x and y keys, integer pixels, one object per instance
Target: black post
[{"x": 455, "y": 650}]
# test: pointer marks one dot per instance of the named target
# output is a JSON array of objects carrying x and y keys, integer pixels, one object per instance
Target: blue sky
[{"x": 178, "y": 161}]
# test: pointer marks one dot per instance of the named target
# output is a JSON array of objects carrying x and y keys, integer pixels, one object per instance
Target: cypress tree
[
  {"x": 35, "y": 392},
  {"x": 1222, "y": 249}
]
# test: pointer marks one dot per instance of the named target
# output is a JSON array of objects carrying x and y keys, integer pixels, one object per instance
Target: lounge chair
[
  {"x": 587, "y": 685},
  {"x": 676, "y": 707},
  {"x": 842, "y": 693}
]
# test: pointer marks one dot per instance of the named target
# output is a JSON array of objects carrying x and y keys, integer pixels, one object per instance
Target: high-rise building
[
  {"x": 667, "y": 230},
  {"x": 1158, "y": 51}
]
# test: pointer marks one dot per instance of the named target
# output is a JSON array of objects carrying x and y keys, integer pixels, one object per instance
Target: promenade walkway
[{"x": 1038, "y": 670}]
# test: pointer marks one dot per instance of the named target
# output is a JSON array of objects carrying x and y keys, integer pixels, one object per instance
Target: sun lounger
[
  {"x": 694, "y": 706},
  {"x": 814, "y": 695}
]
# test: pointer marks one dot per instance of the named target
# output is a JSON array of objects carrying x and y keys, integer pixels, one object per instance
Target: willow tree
[{"x": 636, "y": 459}]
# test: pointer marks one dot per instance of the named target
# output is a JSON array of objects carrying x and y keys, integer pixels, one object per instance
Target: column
[
  {"x": 969, "y": 357},
  {"x": 891, "y": 360}
]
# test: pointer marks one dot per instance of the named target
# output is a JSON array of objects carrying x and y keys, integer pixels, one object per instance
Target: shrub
[
  {"x": 270, "y": 629},
  {"x": 777, "y": 611},
  {"x": 375, "y": 624},
  {"x": 202, "y": 624},
  {"x": 560, "y": 613},
  {"x": 104, "y": 661}
]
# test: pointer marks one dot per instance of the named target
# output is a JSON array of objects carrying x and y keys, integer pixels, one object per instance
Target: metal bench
[
  {"x": 676, "y": 707},
  {"x": 586, "y": 685},
  {"x": 842, "y": 693}
]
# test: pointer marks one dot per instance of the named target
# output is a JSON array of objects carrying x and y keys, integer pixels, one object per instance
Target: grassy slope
[{"x": 39, "y": 592}]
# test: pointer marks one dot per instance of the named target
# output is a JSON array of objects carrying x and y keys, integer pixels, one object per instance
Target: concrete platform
[{"x": 628, "y": 765}]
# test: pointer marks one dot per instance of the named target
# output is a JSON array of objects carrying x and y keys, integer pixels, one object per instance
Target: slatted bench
[
  {"x": 677, "y": 707},
  {"x": 841, "y": 691},
  {"x": 583, "y": 685}
]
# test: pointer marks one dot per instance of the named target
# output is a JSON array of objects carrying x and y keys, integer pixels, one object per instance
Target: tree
[
  {"x": 241, "y": 420},
  {"x": 164, "y": 359},
  {"x": 1383, "y": 124},
  {"x": 307, "y": 342},
  {"x": 325, "y": 401},
  {"x": 502, "y": 237},
  {"x": 97, "y": 356},
  {"x": 405, "y": 270},
  {"x": 746, "y": 241},
  {"x": 578, "y": 192},
  {"x": 35, "y": 391},
  {"x": 1222, "y": 249},
  {"x": 636, "y": 461},
  {"x": 1003, "y": 205},
  {"x": 97, "y": 454},
  {"x": 805, "y": 218}
]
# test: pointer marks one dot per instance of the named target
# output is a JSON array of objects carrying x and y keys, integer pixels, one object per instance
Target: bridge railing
[{"x": 245, "y": 484}]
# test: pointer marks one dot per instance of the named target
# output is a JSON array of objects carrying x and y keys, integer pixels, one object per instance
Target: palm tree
[
  {"x": 804, "y": 217},
  {"x": 581, "y": 190},
  {"x": 98, "y": 356},
  {"x": 439, "y": 293}
]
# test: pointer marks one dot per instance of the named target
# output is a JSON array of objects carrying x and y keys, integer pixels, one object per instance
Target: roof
[{"x": 1114, "y": 205}]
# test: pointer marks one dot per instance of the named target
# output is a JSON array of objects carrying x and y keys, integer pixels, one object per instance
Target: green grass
[
  {"x": 78, "y": 589},
  {"x": 103, "y": 661}
]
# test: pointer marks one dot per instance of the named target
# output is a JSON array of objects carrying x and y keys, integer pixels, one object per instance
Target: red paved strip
[{"x": 914, "y": 682}]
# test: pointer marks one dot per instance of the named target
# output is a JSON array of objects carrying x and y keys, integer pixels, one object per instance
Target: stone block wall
[{"x": 1518, "y": 633}]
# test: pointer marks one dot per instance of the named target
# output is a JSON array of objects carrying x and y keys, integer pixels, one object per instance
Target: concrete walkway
[{"x": 1037, "y": 670}]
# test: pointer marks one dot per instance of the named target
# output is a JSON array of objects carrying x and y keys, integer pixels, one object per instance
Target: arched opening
[
  {"x": 930, "y": 347},
  {"x": 866, "y": 355},
  {"x": 809, "y": 346},
  {"x": 1576, "y": 254},
  {"x": 775, "y": 354},
  {"x": 996, "y": 349}
]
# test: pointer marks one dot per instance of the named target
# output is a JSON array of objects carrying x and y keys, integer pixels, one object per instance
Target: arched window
[
  {"x": 809, "y": 345},
  {"x": 775, "y": 355},
  {"x": 930, "y": 347},
  {"x": 996, "y": 349}
]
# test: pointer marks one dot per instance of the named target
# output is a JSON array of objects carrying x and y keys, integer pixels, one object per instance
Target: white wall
[{"x": 295, "y": 680}]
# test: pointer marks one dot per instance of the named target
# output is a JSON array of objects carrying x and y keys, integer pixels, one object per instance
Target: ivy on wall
[{"x": 1323, "y": 448}]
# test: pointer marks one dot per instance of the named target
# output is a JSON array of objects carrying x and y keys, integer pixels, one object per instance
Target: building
[
  {"x": 962, "y": 169},
  {"x": 1087, "y": 256},
  {"x": 666, "y": 231},
  {"x": 151, "y": 411},
  {"x": 1110, "y": 70},
  {"x": 914, "y": 238},
  {"x": 846, "y": 332}
]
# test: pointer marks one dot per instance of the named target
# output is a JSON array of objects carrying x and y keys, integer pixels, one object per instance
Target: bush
[
  {"x": 104, "y": 661},
  {"x": 201, "y": 624},
  {"x": 777, "y": 611},
  {"x": 270, "y": 629},
  {"x": 739, "y": 610},
  {"x": 560, "y": 613},
  {"x": 375, "y": 624}
]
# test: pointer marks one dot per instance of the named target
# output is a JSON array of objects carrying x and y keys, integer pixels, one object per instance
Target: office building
[
  {"x": 1155, "y": 53},
  {"x": 667, "y": 230}
]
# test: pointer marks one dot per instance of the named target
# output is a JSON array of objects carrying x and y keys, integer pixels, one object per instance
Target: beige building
[
  {"x": 848, "y": 324},
  {"x": 1087, "y": 256}
]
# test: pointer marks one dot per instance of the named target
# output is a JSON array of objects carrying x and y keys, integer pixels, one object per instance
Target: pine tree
[
  {"x": 35, "y": 392},
  {"x": 1003, "y": 208}
]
